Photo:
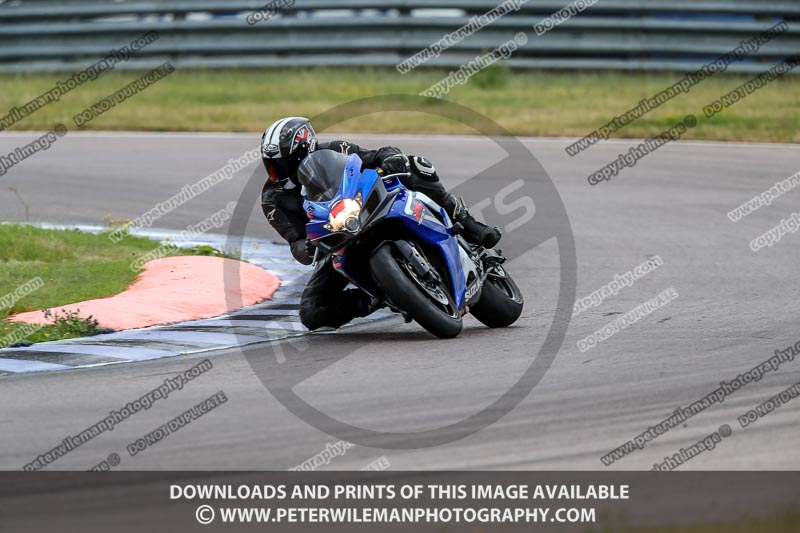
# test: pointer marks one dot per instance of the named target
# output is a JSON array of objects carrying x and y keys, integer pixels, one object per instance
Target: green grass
[
  {"x": 73, "y": 267},
  {"x": 526, "y": 103}
]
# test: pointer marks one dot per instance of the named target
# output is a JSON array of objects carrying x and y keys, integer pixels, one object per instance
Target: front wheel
[
  {"x": 428, "y": 302},
  {"x": 501, "y": 300}
]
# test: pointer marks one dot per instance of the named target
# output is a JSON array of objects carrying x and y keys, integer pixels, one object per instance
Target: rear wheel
[
  {"x": 501, "y": 300},
  {"x": 427, "y": 301}
]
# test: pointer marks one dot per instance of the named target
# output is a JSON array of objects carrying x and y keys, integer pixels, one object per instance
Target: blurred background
[{"x": 301, "y": 57}]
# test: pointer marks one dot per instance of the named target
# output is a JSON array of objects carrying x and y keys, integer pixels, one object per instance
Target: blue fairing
[
  {"x": 352, "y": 183},
  {"x": 417, "y": 216},
  {"x": 430, "y": 230}
]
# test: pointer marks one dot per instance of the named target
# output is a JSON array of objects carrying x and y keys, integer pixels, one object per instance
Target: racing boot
[{"x": 474, "y": 232}]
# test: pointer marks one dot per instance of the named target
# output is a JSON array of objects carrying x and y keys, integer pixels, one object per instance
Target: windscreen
[{"x": 321, "y": 173}]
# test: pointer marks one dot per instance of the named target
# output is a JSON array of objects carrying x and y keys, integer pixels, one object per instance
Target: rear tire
[
  {"x": 501, "y": 302},
  {"x": 404, "y": 292}
]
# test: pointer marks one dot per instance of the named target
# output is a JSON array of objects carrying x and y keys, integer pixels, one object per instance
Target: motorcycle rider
[{"x": 284, "y": 144}]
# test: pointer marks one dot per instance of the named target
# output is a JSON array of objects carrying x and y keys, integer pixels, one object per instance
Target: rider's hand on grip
[
  {"x": 300, "y": 251},
  {"x": 396, "y": 164}
]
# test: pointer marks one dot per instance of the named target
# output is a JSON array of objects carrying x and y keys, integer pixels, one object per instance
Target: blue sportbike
[{"x": 402, "y": 248}]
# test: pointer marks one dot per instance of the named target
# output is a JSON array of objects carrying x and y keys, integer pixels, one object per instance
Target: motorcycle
[{"x": 401, "y": 247}]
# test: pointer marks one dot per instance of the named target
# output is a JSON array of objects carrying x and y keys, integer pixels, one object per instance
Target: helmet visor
[{"x": 278, "y": 170}]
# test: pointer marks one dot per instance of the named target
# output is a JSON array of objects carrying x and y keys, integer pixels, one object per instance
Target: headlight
[
  {"x": 344, "y": 215},
  {"x": 352, "y": 224}
]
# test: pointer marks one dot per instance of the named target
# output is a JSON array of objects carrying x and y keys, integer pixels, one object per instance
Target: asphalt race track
[{"x": 734, "y": 308}]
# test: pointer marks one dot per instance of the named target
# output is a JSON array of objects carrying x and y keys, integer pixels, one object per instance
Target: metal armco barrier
[{"x": 680, "y": 35}]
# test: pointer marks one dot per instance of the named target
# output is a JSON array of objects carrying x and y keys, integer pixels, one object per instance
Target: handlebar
[{"x": 396, "y": 174}]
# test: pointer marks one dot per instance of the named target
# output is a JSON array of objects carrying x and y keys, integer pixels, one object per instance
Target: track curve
[{"x": 734, "y": 308}]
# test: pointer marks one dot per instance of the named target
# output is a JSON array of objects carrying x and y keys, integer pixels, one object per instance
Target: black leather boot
[{"x": 474, "y": 232}]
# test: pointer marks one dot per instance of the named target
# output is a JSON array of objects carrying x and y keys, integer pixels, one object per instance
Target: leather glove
[
  {"x": 396, "y": 164},
  {"x": 303, "y": 251}
]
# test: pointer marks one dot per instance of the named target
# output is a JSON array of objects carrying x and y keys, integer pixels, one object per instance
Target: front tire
[
  {"x": 501, "y": 300},
  {"x": 404, "y": 290}
]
